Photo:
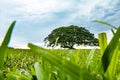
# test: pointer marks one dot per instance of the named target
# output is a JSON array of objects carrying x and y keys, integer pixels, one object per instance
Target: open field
[{"x": 25, "y": 58}]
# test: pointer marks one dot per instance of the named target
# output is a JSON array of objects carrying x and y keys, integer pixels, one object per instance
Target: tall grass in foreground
[
  {"x": 107, "y": 65},
  {"x": 4, "y": 44},
  {"x": 57, "y": 65}
]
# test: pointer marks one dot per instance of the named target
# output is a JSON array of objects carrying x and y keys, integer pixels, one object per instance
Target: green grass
[
  {"x": 22, "y": 58},
  {"x": 17, "y": 59}
]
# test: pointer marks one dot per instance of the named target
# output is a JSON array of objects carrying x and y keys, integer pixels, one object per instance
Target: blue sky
[{"x": 37, "y": 18}]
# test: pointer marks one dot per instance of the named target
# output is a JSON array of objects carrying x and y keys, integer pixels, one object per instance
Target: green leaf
[
  {"x": 90, "y": 57},
  {"x": 5, "y": 44},
  {"x": 68, "y": 67},
  {"x": 105, "y": 23},
  {"x": 102, "y": 42},
  {"x": 76, "y": 56},
  {"x": 1, "y": 75},
  {"x": 111, "y": 71},
  {"x": 16, "y": 76},
  {"x": 38, "y": 71},
  {"x": 110, "y": 50},
  {"x": 26, "y": 73},
  {"x": 56, "y": 42}
]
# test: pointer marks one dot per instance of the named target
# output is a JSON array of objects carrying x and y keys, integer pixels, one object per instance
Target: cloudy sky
[{"x": 37, "y": 18}]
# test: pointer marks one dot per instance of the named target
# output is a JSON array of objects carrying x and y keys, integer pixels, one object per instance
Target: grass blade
[
  {"x": 68, "y": 67},
  {"x": 5, "y": 44},
  {"x": 110, "y": 50},
  {"x": 105, "y": 23},
  {"x": 38, "y": 71},
  {"x": 111, "y": 71},
  {"x": 1, "y": 75},
  {"x": 90, "y": 57},
  {"x": 102, "y": 42}
]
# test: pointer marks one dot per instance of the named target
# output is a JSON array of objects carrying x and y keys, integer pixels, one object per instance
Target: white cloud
[
  {"x": 34, "y": 9},
  {"x": 42, "y": 6},
  {"x": 83, "y": 10},
  {"x": 91, "y": 10}
]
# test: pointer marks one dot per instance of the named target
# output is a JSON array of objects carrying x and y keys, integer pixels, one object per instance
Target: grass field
[{"x": 25, "y": 59}]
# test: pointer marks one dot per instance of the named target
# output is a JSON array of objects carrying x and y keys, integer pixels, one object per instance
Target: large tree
[{"x": 68, "y": 36}]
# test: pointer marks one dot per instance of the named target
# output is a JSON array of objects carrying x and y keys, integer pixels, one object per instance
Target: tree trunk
[{"x": 69, "y": 47}]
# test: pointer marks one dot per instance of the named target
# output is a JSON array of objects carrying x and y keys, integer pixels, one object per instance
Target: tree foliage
[{"x": 68, "y": 36}]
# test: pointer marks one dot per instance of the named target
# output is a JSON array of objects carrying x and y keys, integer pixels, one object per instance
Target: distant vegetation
[{"x": 68, "y": 36}]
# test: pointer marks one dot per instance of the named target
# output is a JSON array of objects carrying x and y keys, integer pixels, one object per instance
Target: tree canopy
[{"x": 68, "y": 36}]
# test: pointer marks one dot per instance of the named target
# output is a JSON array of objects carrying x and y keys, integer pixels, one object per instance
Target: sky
[{"x": 35, "y": 19}]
